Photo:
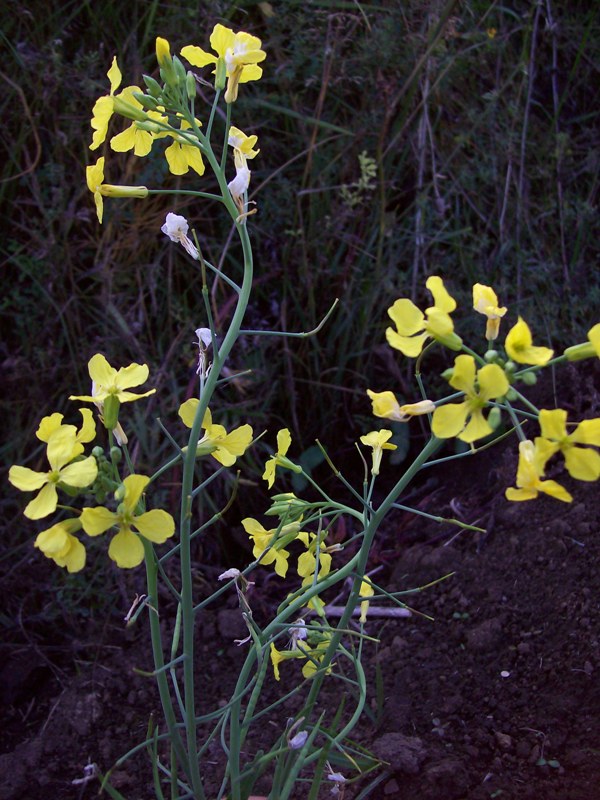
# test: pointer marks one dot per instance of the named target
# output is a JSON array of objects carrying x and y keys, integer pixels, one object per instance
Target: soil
[{"x": 497, "y": 696}]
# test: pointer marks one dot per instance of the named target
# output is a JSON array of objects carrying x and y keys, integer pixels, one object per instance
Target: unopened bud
[
  {"x": 127, "y": 110},
  {"x": 495, "y": 417},
  {"x": 190, "y": 85},
  {"x": 511, "y": 395},
  {"x": 491, "y": 356},
  {"x": 98, "y": 452},
  {"x": 448, "y": 373},
  {"x": 146, "y": 100},
  {"x": 580, "y": 351},
  {"x": 115, "y": 454},
  {"x": 529, "y": 378},
  {"x": 179, "y": 71},
  {"x": 452, "y": 341},
  {"x": 110, "y": 190},
  {"x": 153, "y": 86},
  {"x": 220, "y": 74}
]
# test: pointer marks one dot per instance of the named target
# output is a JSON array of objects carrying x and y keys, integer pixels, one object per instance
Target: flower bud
[
  {"x": 220, "y": 74},
  {"x": 190, "y": 85},
  {"x": 98, "y": 451},
  {"x": 511, "y": 395},
  {"x": 529, "y": 378},
  {"x": 115, "y": 454},
  {"x": 127, "y": 110},
  {"x": 448, "y": 373},
  {"x": 110, "y": 190},
  {"x": 452, "y": 341},
  {"x": 287, "y": 506},
  {"x": 510, "y": 368},
  {"x": 491, "y": 356},
  {"x": 180, "y": 73},
  {"x": 151, "y": 127},
  {"x": 580, "y": 351},
  {"x": 495, "y": 417},
  {"x": 146, "y": 100},
  {"x": 120, "y": 493},
  {"x": 154, "y": 87}
]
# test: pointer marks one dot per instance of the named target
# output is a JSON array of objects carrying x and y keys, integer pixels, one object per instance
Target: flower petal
[
  {"x": 133, "y": 375},
  {"x": 449, "y": 420},
  {"x": 25, "y": 479},
  {"x": 45, "y": 503},
  {"x": 553, "y": 423},
  {"x": 492, "y": 382},
  {"x": 284, "y": 440},
  {"x": 134, "y": 487},
  {"x": 81, "y": 473},
  {"x": 98, "y": 520},
  {"x": 587, "y": 432},
  {"x": 582, "y": 463},
  {"x": 407, "y": 318},
  {"x": 463, "y": 374},
  {"x": 101, "y": 371},
  {"x": 410, "y": 346},
  {"x": 442, "y": 299},
  {"x": 157, "y": 526},
  {"x": 477, "y": 428},
  {"x": 126, "y": 549}
]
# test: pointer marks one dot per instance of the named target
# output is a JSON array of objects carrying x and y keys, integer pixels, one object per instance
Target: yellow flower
[
  {"x": 108, "y": 382},
  {"x": 465, "y": 420},
  {"x": 134, "y": 138},
  {"x": 63, "y": 448},
  {"x": 245, "y": 144},
  {"x": 59, "y": 544},
  {"x": 307, "y": 561},
  {"x": 485, "y": 302},
  {"x": 386, "y": 406},
  {"x": 284, "y": 441},
  {"x": 582, "y": 463},
  {"x": 366, "y": 590},
  {"x": 222, "y": 446},
  {"x": 271, "y": 549},
  {"x": 104, "y": 107},
  {"x": 301, "y": 649},
  {"x": 181, "y": 155},
  {"x": 126, "y": 548},
  {"x": 378, "y": 440},
  {"x": 413, "y": 327},
  {"x": 87, "y": 432},
  {"x": 242, "y": 151},
  {"x": 237, "y": 53},
  {"x": 530, "y": 471},
  {"x": 95, "y": 178},
  {"x": 519, "y": 346}
]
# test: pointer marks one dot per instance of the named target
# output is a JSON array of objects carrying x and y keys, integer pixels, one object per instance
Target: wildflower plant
[{"x": 100, "y": 495}]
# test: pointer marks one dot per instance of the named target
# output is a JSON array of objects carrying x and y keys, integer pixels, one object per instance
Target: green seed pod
[{"x": 110, "y": 411}]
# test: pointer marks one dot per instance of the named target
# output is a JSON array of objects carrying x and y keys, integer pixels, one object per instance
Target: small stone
[
  {"x": 391, "y": 788},
  {"x": 504, "y": 740},
  {"x": 404, "y": 753}
]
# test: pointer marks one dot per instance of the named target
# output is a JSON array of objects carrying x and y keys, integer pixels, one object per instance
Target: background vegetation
[{"x": 398, "y": 140}]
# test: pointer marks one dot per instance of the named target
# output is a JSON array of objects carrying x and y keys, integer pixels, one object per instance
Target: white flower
[
  {"x": 231, "y": 573},
  {"x": 176, "y": 228},
  {"x": 239, "y": 185},
  {"x": 204, "y": 336},
  {"x": 297, "y": 741}
]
